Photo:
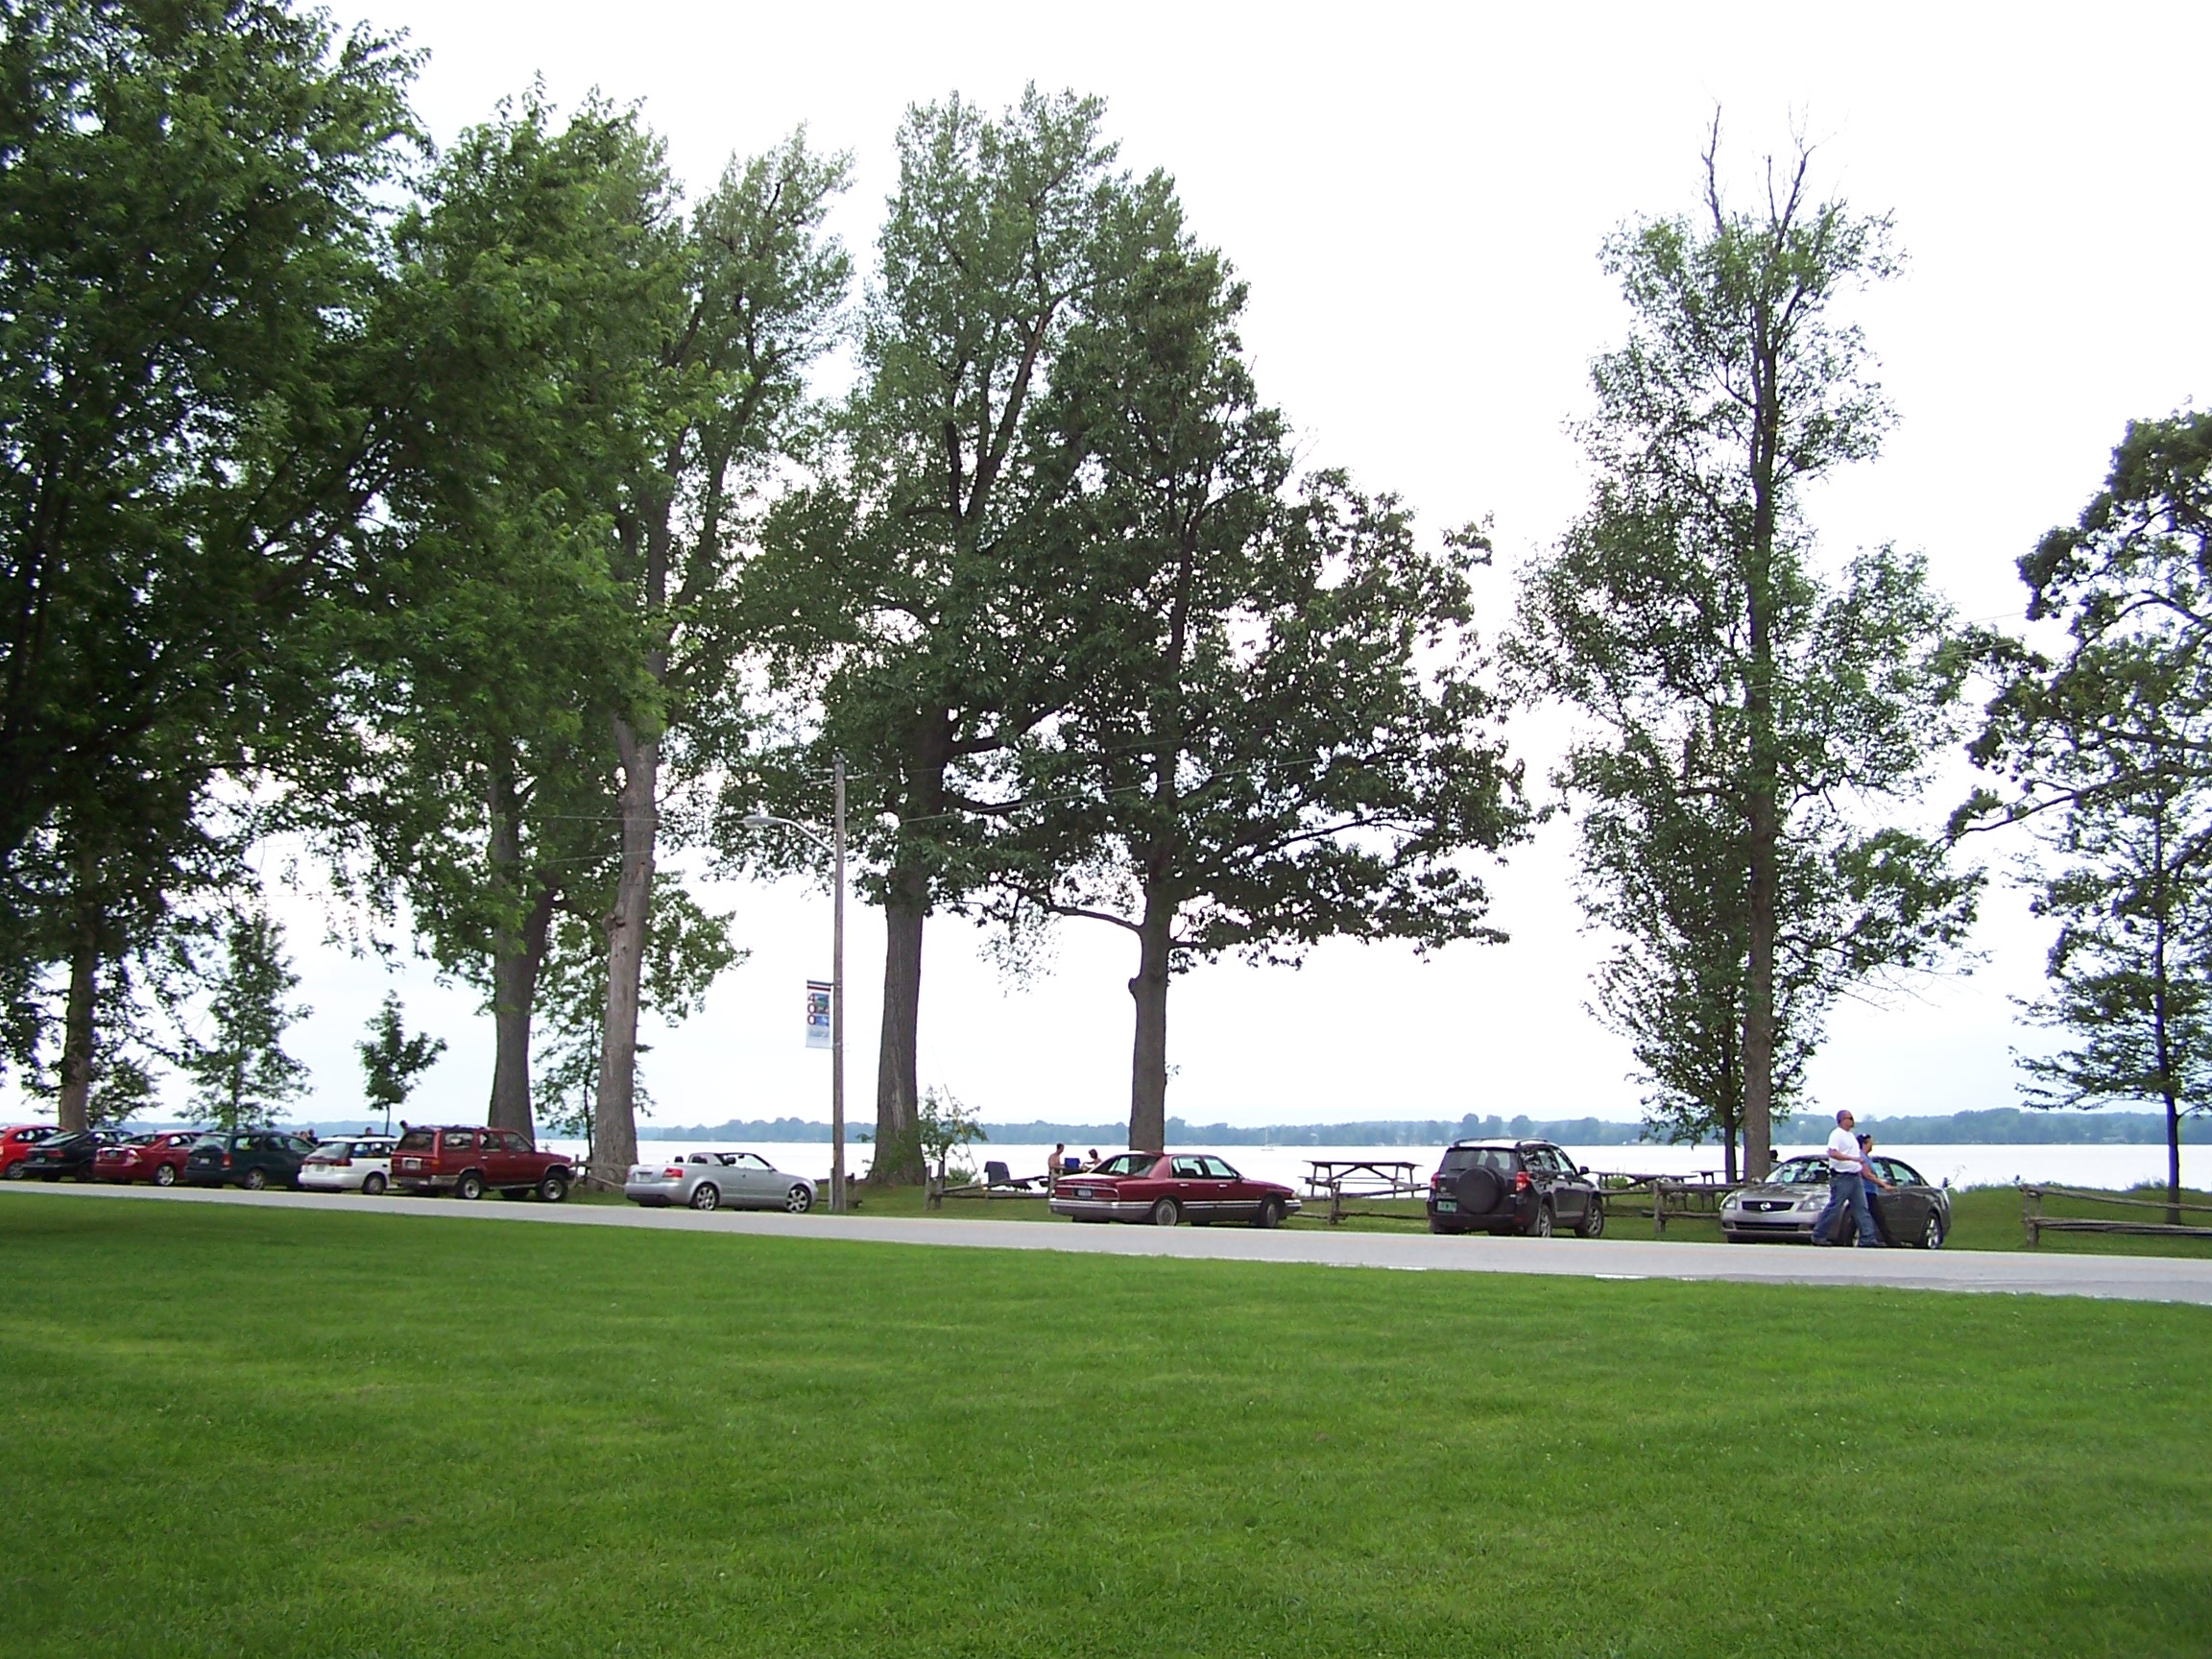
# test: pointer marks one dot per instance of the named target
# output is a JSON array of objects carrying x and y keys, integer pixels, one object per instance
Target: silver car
[
  {"x": 711, "y": 1180},
  {"x": 1788, "y": 1203}
]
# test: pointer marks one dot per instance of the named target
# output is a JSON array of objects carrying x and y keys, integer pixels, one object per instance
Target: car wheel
[
  {"x": 373, "y": 1184},
  {"x": 1932, "y": 1239},
  {"x": 1592, "y": 1222},
  {"x": 706, "y": 1196},
  {"x": 1165, "y": 1214},
  {"x": 1270, "y": 1213},
  {"x": 255, "y": 1180},
  {"x": 14, "y": 1172},
  {"x": 798, "y": 1200},
  {"x": 164, "y": 1175},
  {"x": 554, "y": 1188},
  {"x": 1541, "y": 1227},
  {"x": 469, "y": 1185}
]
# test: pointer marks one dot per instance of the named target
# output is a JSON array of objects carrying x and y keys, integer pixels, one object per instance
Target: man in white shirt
[{"x": 1846, "y": 1185}]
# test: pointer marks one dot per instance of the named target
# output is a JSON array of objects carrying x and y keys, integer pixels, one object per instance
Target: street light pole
[
  {"x": 836, "y": 848},
  {"x": 837, "y": 1004}
]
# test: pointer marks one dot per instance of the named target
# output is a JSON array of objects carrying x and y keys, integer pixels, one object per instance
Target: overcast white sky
[{"x": 1417, "y": 195}]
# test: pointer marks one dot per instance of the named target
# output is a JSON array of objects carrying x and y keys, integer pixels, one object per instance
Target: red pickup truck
[{"x": 466, "y": 1161}]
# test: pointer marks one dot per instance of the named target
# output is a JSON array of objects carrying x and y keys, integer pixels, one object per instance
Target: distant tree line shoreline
[{"x": 1997, "y": 1126}]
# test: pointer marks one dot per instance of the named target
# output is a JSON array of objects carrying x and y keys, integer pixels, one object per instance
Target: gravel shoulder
[{"x": 2129, "y": 1278}]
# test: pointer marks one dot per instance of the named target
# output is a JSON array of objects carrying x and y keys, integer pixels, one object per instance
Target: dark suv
[
  {"x": 248, "y": 1158},
  {"x": 1525, "y": 1187}
]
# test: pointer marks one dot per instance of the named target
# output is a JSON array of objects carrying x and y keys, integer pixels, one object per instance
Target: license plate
[{"x": 1446, "y": 1205}]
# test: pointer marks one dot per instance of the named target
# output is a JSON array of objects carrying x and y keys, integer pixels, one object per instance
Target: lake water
[{"x": 1965, "y": 1166}]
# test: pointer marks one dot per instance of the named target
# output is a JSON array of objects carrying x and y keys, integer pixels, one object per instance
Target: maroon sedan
[
  {"x": 159, "y": 1157},
  {"x": 1163, "y": 1190}
]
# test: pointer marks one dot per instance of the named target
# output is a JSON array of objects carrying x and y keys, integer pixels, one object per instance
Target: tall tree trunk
[
  {"x": 515, "y": 961},
  {"x": 1762, "y": 817},
  {"x": 75, "y": 1099},
  {"x": 907, "y": 905},
  {"x": 2167, "y": 1088},
  {"x": 1759, "y": 989},
  {"x": 517, "y": 953},
  {"x": 898, "y": 1159},
  {"x": 614, "y": 1114},
  {"x": 1148, "y": 1059}
]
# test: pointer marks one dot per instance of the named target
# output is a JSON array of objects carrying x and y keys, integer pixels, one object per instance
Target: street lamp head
[{"x": 759, "y": 821}]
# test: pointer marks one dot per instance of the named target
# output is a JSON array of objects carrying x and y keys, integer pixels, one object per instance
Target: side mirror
[{"x": 1582, "y": 1169}]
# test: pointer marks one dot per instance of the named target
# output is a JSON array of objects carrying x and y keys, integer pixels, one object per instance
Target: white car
[
  {"x": 362, "y": 1165},
  {"x": 711, "y": 1180}
]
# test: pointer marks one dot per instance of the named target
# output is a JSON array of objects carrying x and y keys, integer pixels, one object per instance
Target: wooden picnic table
[{"x": 1361, "y": 1178}]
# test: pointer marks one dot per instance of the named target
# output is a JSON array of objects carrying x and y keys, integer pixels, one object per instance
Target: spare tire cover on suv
[{"x": 1479, "y": 1189}]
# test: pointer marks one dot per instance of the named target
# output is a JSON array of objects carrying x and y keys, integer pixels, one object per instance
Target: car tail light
[
  {"x": 342, "y": 1162},
  {"x": 1519, "y": 1180},
  {"x": 226, "y": 1160},
  {"x": 674, "y": 1172}
]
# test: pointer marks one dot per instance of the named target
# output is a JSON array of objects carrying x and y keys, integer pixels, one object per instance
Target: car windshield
[
  {"x": 1497, "y": 1158},
  {"x": 1128, "y": 1163},
  {"x": 1800, "y": 1172}
]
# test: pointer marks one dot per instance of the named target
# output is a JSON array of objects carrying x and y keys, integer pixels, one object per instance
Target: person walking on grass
[{"x": 1846, "y": 1185}]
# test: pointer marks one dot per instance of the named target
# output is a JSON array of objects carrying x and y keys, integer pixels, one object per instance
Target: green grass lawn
[{"x": 232, "y": 1431}]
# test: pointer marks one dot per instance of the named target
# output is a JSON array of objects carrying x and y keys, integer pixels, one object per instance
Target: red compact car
[
  {"x": 1155, "y": 1187},
  {"x": 159, "y": 1157},
  {"x": 16, "y": 1140}
]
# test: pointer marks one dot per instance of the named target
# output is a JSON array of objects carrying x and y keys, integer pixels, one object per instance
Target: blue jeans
[{"x": 1849, "y": 1191}]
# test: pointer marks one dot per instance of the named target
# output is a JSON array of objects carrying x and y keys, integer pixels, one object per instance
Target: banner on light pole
[{"x": 818, "y": 1017}]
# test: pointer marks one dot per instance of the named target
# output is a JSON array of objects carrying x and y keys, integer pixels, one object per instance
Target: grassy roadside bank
[{"x": 239, "y": 1430}]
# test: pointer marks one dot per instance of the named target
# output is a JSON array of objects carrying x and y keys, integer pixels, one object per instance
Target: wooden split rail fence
[{"x": 2037, "y": 1223}]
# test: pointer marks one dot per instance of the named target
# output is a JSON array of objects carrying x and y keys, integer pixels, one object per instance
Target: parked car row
[
  {"x": 465, "y": 1161},
  {"x": 1530, "y": 1188}
]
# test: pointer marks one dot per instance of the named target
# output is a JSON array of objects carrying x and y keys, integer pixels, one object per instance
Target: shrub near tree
[
  {"x": 391, "y": 1060},
  {"x": 1747, "y": 719},
  {"x": 236, "y": 1062}
]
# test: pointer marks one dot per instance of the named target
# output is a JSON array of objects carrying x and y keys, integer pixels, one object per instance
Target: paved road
[{"x": 2132, "y": 1278}]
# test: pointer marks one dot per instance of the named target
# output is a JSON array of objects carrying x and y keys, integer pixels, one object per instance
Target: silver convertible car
[
  {"x": 711, "y": 1180},
  {"x": 1789, "y": 1200}
]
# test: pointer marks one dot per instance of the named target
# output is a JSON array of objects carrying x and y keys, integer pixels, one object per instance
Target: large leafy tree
[
  {"x": 1274, "y": 733},
  {"x": 903, "y": 581},
  {"x": 756, "y": 298},
  {"x": 189, "y": 425},
  {"x": 2106, "y": 749},
  {"x": 1743, "y": 708},
  {"x": 473, "y": 781}
]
